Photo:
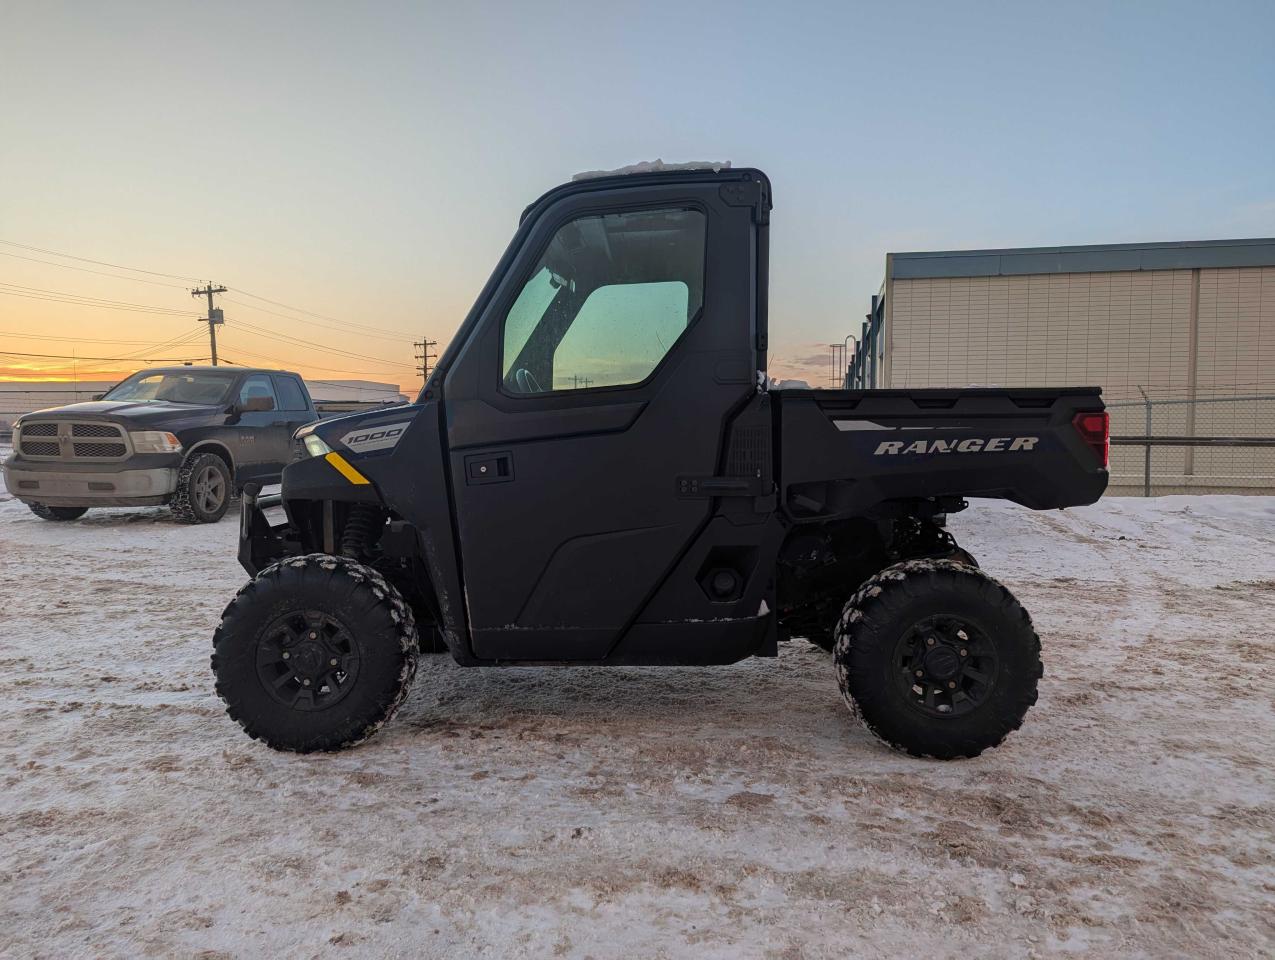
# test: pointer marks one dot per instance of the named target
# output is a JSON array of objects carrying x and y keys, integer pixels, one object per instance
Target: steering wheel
[{"x": 527, "y": 382}]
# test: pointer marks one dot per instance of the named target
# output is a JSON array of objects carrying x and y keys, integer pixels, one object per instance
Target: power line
[
  {"x": 294, "y": 341},
  {"x": 311, "y": 313},
  {"x": 100, "y": 273},
  {"x": 63, "y": 296},
  {"x": 100, "y": 263},
  {"x": 49, "y": 336},
  {"x": 315, "y": 366},
  {"x": 323, "y": 326},
  {"x": 344, "y": 325},
  {"x": 72, "y": 356}
]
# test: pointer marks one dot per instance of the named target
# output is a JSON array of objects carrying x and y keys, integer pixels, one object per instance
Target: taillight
[{"x": 1095, "y": 430}]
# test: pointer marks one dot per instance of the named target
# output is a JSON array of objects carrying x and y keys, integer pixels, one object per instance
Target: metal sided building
[{"x": 1190, "y": 324}]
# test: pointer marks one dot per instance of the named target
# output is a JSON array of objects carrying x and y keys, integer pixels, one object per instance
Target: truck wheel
[
  {"x": 937, "y": 658},
  {"x": 314, "y": 653},
  {"x": 203, "y": 490},
  {"x": 57, "y": 513}
]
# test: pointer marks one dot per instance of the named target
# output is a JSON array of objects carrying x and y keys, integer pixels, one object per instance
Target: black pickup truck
[
  {"x": 185, "y": 436},
  {"x": 598, "y": 472}
]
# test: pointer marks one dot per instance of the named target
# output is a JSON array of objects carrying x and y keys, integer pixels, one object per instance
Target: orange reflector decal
[{"x": 343, "y": 466}]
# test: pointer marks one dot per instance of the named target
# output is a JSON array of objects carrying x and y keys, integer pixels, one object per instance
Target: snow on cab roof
[{"x": 654, "y": 166}]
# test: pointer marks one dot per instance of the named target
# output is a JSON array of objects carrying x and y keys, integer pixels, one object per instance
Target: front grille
[
  {"x": 94, "y": 430},
  {"x": 74, "y": 440},
  {"x": 99, "y": 450}
]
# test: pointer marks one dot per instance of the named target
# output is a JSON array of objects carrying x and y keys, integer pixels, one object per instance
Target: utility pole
[
  {"x": 578, "y": 381},
  {"x": 215, "y": 316},
  {"x": 423, "y": 348}
]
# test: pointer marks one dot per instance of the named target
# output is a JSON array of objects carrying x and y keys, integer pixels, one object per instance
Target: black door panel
[{"x": 571, "y": 547}]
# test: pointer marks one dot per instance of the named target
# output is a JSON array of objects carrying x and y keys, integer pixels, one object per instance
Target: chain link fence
[{"x": 1166, "y": 445}]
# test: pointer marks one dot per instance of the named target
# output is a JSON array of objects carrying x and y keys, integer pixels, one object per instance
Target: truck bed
[{"x": 846, "y": 451}]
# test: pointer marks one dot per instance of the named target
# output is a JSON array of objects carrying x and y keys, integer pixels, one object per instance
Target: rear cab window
[{"x": 291, "y": 396}]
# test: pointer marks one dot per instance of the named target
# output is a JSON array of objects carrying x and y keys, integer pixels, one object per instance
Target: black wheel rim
[
  {"x": 307, "y": 660},
  {"x": 209, "y": 489},
  {"x": 945, "y": 666}
]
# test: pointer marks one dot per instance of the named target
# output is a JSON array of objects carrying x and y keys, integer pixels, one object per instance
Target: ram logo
[
  {"x": 370, "y": 439},
  {"x": 969, "y": 445}
]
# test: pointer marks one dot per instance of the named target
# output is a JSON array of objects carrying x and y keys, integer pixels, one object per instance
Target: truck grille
[{"x": 73, "y": 440}]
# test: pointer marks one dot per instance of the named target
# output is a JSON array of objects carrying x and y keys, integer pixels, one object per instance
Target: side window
[
  {"x": 256, "y": 387},
  {"x": 290, "y": 395},
  {"x": 606, "y": 303}
]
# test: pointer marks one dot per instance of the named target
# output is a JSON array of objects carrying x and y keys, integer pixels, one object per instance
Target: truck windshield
[{"x": 174, "y": 387}]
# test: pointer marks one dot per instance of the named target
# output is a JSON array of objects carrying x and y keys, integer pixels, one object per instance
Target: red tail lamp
[{"x": 1095, "y": 430}]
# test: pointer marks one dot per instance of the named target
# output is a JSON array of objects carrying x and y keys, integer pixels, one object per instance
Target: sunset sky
[{"x": 363, "y": 165}]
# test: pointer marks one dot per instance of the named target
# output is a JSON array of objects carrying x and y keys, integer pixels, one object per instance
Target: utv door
[{"x": 590, "y": 396}]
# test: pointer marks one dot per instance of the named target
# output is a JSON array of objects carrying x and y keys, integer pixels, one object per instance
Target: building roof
[{"x": 1099, "y": 258}]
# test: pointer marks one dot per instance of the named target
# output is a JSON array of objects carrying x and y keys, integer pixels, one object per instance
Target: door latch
[{"x": 489, "y": 468}]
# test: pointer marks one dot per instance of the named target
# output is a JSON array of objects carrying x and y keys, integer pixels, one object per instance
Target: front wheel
[
  {"x": 203, "y": 490},
  {"x": 45, "y": 512},
  {"x": 315, "y": 653},
  {"x": 937, "y": 658}
]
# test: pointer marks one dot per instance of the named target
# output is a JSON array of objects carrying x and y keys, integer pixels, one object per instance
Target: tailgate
[{"x": 843, "y": 451}]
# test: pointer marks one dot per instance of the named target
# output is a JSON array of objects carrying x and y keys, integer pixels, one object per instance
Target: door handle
[
  {"x": 695, "y": 487},
  {"x": 489, "y": 468}
]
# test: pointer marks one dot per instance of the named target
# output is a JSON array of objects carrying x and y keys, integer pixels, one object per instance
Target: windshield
[{"x": 174, "y": 387}]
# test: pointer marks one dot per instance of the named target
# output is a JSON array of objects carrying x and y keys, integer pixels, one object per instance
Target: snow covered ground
[{"x": 728, "y": 812}]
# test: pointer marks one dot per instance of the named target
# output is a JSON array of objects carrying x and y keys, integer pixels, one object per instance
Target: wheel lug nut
[
  {"x": 286, "y": 655},
  {"x": 332, "y": 662},
  {"x": 313, "y": 635},
  {"x": 964, "y": 652},
  {"x": 305, "y": 683},
  {"x": 951, "y": 684},
  {"x": 920, "y": 673},
  {"x": 929, "y": 641}
]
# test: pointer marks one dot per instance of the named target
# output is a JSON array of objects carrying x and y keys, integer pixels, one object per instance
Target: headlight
[
  {"x": 155, "y": 441},
  {"x": 315, "y": 446}
]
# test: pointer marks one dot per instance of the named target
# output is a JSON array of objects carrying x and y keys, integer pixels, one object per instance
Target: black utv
[{"x": 597, "y": 473}]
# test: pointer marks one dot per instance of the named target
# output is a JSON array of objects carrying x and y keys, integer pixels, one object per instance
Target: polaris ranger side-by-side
[{"x": 597, "y": 473}]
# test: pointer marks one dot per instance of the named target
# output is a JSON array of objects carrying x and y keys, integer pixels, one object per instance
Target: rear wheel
[
  {"x": 825, "y": 637},
  {"x": 937, "y": 658},
  {"x": 315, "y": 653},
  {"x": 203, "y": 490},
  {"x": 45, "y": 512}
]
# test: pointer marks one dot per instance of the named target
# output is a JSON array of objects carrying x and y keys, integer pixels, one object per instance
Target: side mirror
[
  {"x": 98, "y": 396},
  {"x": 257, "y": 405}
]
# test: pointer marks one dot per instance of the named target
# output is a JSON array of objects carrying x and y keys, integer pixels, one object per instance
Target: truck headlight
[
  {"x": 155, "y": 441},
  {"x": 315, "y": 446}
]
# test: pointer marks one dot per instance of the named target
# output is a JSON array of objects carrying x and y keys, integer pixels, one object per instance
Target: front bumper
[{"x": 87, "y": 485}]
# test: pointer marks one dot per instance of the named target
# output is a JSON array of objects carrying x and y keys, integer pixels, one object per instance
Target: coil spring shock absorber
[{"x": 362, "y": 528}]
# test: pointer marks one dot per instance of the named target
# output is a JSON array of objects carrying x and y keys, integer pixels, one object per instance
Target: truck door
[
  {"x": 591, "y": 396},
  {"x": 256, "y": 448},
  {"x": 294, "y": 412}
]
